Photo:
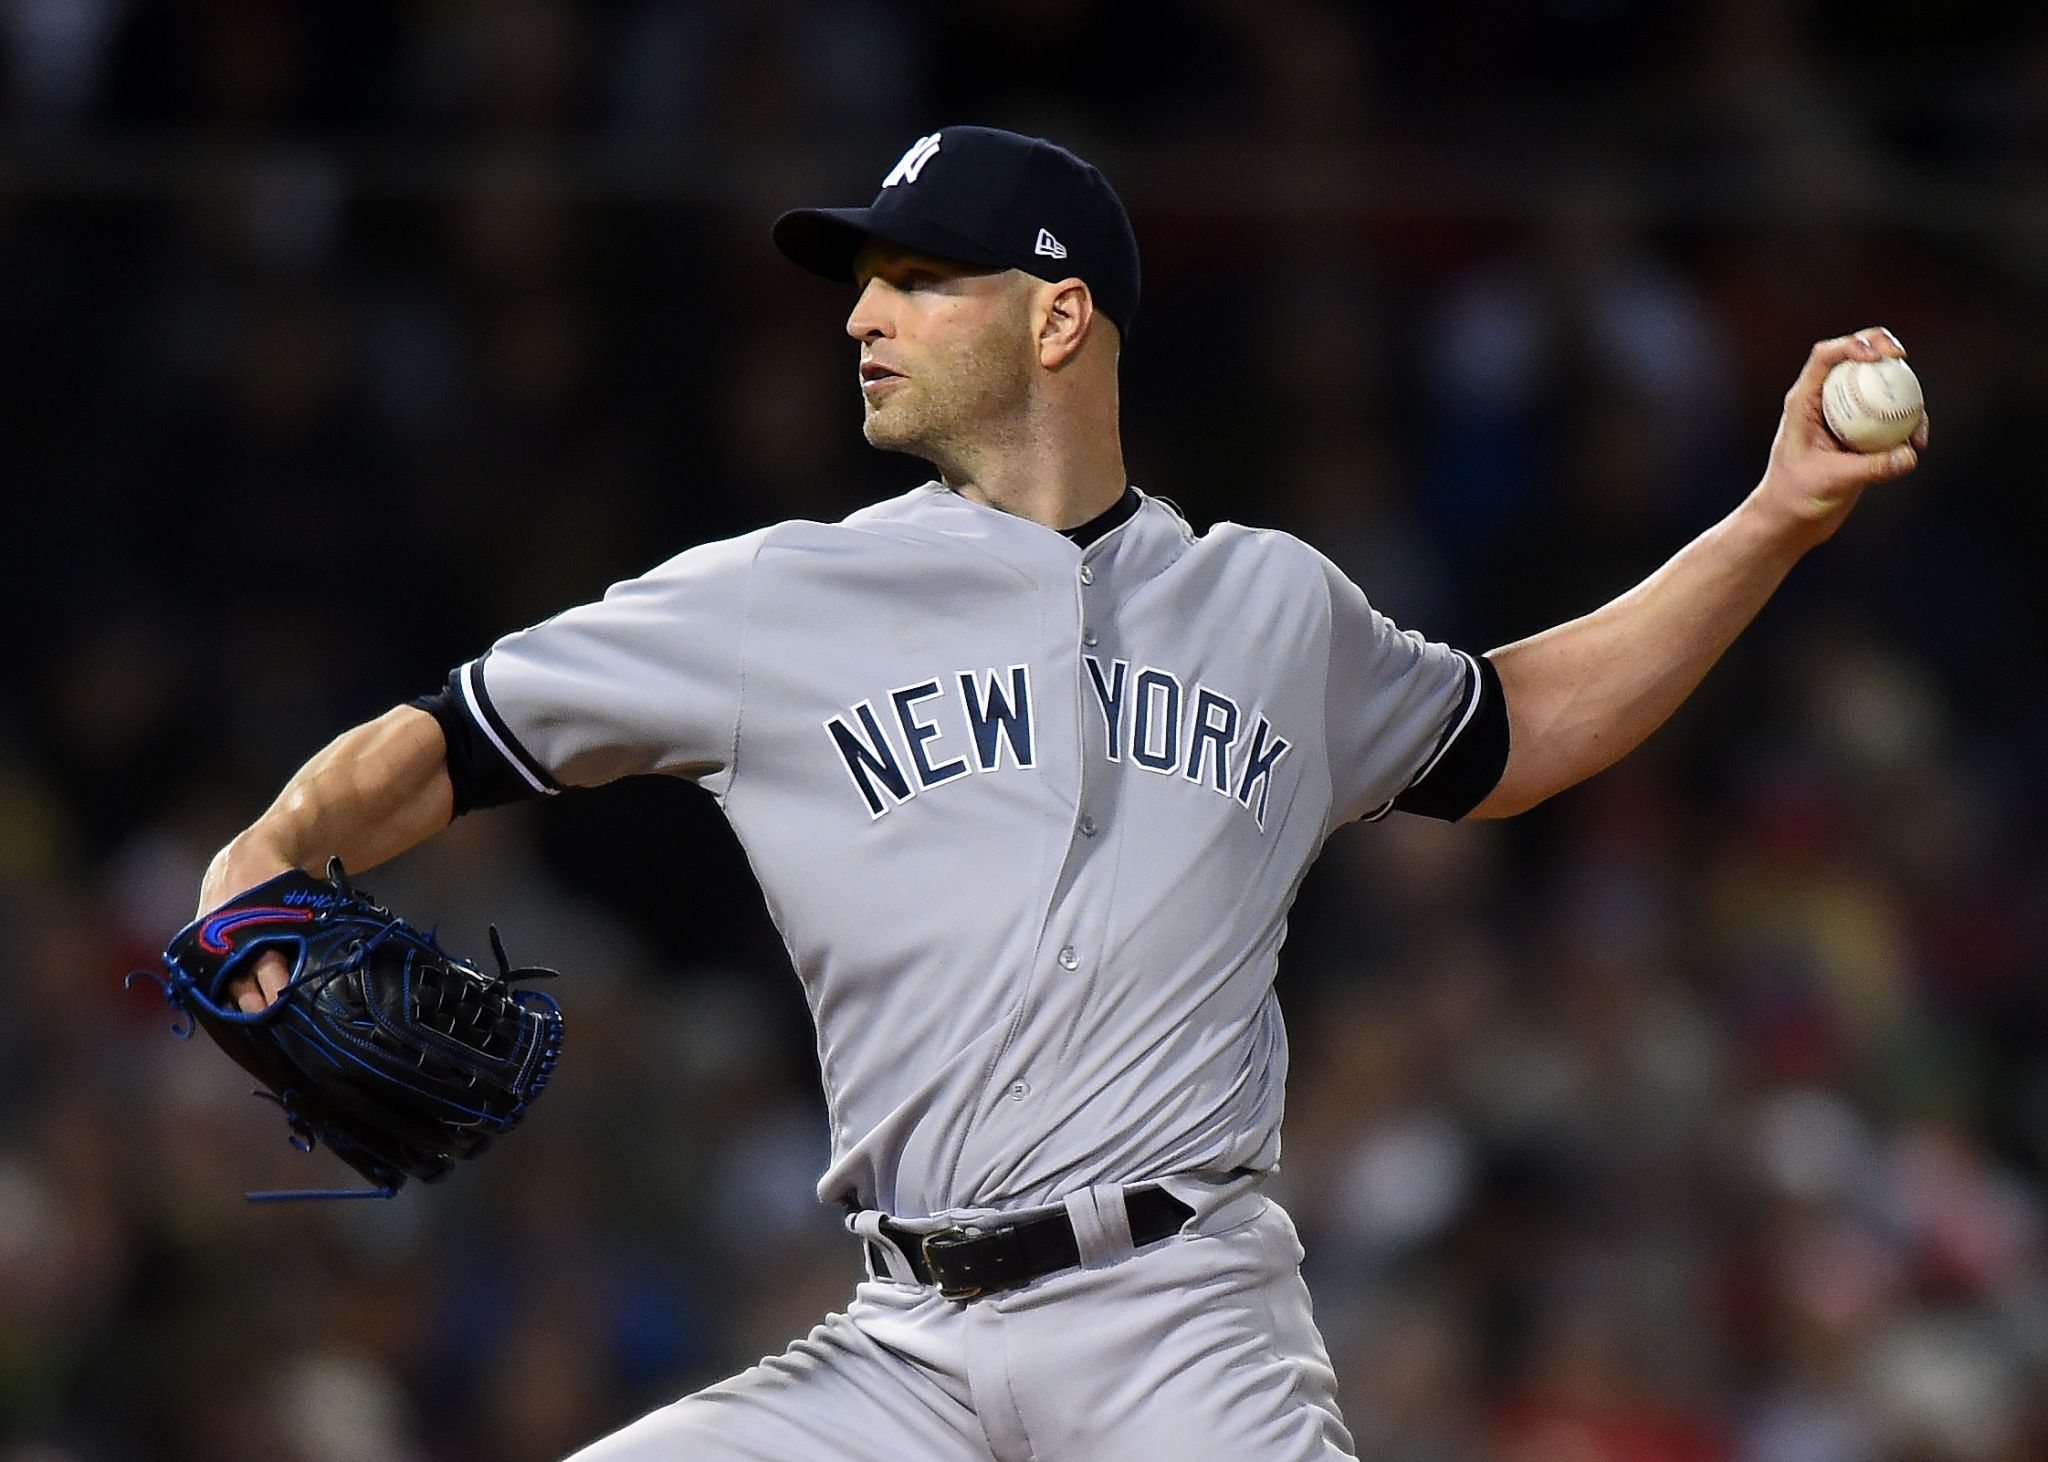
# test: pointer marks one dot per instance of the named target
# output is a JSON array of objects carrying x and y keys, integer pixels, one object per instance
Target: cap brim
[{"x": 826, "y": 240}]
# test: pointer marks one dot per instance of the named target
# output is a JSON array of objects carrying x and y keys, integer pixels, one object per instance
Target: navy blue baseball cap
[{"x": 991, "y": 198}]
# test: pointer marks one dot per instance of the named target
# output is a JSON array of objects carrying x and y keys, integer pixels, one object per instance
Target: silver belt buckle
[{"x": 951, "y": 1236}]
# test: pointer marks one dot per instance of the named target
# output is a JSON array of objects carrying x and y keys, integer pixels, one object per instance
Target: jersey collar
[{"x": 1114, "y": 516}]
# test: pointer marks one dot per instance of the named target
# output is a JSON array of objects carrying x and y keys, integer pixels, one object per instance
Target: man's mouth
[{"x": 876, "y": 377}]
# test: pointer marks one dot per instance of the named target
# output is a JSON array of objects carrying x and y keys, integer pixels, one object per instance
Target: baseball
[{"x": 1871, "y": 405}]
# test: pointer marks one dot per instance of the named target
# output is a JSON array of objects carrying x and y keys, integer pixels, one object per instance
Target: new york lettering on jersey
[
  {"x": 1159, "y": 716},
  {"x": 994, "y": 707},
  {"x": 1193, "y": 732}
]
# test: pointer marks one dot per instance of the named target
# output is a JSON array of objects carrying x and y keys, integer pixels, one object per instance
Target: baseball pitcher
[{"x": 1029, "y": 772}]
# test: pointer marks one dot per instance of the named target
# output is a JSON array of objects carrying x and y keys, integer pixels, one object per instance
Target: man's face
[{"x": 946, "y": 351}]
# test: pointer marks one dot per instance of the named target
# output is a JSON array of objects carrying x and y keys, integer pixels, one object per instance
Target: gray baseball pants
[{"x": 1200, "y": 1346}]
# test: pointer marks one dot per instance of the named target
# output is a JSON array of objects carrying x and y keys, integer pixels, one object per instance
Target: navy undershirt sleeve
[
  {"x": 477, "y": 770},
  {"x": 1471, "y": 766}
]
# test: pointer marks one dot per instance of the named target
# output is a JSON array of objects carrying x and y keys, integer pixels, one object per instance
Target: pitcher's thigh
[
  {"x": 1204, "y": 1350},
  {"x": 835, "y": 1394}
]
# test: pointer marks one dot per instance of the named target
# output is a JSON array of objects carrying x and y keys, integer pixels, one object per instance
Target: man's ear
[{"x": 1067, "y": 315}]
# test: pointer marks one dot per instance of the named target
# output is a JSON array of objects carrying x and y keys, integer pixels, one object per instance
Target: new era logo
[
  {"x": 912, "y": 162},
  {"x": 1049, "y": 246}
]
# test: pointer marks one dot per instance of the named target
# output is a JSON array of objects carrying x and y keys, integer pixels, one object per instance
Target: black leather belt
[{"x": 962, "y": 1265}]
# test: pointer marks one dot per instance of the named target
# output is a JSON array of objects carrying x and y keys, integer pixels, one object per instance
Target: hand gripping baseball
[
  {"x": 398, "y": 1056},
  {"x": 1813, "y": 481}
]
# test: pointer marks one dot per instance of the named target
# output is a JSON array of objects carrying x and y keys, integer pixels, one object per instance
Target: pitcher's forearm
[
  {"x": 369, "y": 795},
  {"x": 1583, "y": 695}
]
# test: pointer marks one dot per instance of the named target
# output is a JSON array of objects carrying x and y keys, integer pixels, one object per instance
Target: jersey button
[
  {"x": 1069, "y": 960},
  {"x": 1087, "y": 827},
  {"x": 1019, "y": 1090},
  {"x": 1088, "y": 638},
  {"x": 1087, "y": 574}
]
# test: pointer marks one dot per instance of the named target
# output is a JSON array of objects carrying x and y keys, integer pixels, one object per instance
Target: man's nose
[{"x": 869, "y": 320}]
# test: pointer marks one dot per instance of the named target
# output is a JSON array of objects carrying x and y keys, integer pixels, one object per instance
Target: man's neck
[
  {"x": 1056, "y": 506},
  {"x": 1057, "y": 480}
]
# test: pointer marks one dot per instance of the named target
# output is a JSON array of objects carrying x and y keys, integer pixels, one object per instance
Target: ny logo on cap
[{"x": 912, "y": 162}]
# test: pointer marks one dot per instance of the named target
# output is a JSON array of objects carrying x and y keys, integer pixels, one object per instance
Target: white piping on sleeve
[{"x": 472, "y": 695}]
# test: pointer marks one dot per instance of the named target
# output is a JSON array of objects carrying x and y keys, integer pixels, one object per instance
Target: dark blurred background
[{"x": 1695, "y": 1117}]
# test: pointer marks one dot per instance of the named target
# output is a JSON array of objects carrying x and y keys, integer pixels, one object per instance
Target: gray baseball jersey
[{"x": 1028, "y": 814}]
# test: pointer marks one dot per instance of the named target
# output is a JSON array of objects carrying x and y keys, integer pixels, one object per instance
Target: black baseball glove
[{"x": 395, "y": 1054}]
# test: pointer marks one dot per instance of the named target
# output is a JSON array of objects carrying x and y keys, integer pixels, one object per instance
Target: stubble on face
[{"x": 969, "y": 372}]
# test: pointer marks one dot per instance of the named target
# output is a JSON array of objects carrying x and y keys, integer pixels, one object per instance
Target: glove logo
[{"x": 216, "y": 935}]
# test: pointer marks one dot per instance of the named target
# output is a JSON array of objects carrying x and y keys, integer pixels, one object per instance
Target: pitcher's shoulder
[
  {"x": 897, "y": 518},
  {"x": 905, "y": 508},
  {"x": 1248, "y": 543}
]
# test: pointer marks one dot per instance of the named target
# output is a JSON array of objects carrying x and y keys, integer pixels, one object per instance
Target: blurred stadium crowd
[{"x": 1696, "y": 1117}]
